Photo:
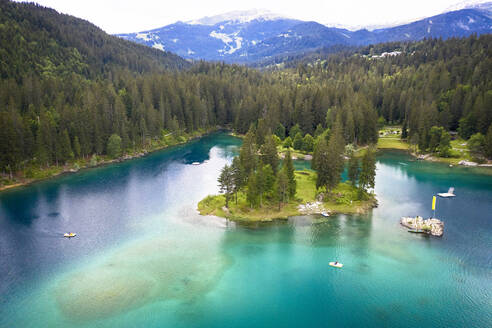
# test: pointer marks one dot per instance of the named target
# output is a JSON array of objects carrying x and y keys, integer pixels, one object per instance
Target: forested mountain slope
[{"x": 39, "y": 41}]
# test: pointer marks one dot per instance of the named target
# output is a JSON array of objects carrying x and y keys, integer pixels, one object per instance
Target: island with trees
[{"x": 257, "y": 187}]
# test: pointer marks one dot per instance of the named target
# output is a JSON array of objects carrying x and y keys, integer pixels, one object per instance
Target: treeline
[
  {"x": 48, "y": 120},
  {"x": 51, "y": 116},
  {"x": 438, "y": 83}
]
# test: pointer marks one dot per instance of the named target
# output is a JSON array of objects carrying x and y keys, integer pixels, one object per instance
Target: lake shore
[
  {"x": 307, "y": 201},
  {"x": 85, "y": 163},
  {"x": 392, "y": 143}
]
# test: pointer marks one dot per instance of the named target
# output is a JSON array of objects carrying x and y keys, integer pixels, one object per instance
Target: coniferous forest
[{"x": 68, "y": 90}]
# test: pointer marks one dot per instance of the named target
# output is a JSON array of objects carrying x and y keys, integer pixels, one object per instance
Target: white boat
[
  {"x": 69, "y": 234},
  {"x": 336, "y": 264},
  {"x": 195, "y": 163},
  {"x": 325, "y": 214},
  {"x": 448, "y": 194}
]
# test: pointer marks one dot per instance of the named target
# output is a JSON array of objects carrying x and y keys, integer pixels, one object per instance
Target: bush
[
  {"x": 93, "y": 160},
  {"x": 287, "y": 142},
  {"x": 114, "y": 146},
  {"x": 476, "y": 145}
]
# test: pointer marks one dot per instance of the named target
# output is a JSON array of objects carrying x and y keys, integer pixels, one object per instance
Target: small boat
[
  {"x": 195, "y": 163},
  {"x": 69, "y": 234},
  {"x": 448, "y": 194},
  {"x": 416, "y": 230},
  {"x": 325, "y": 214},
  {"x": 336, "y": 264}
]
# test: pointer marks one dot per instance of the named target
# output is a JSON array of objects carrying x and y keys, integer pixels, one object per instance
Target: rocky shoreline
[{"x": 431, "y": 226}]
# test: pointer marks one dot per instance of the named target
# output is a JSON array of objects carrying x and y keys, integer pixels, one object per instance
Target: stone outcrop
[
  {"x": 311, "y": 208},
  {"x": 430, "y": 226},
  {"x": 467, "y": 163}
]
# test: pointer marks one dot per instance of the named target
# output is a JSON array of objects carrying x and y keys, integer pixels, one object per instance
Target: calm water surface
[{"x": 143, "y": 257}]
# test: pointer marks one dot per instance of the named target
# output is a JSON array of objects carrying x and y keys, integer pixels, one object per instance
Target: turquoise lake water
[{"x": 143, "y": 257}]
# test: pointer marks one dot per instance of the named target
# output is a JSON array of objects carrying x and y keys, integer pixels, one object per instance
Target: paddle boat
[
  {"x": 336, "y": 264},
  {"x": 448, "y": 194},
  {"x": 69, "y": 234}
]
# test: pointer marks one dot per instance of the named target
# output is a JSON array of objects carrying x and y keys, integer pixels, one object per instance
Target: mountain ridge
[{"x": 247, "y": 37}]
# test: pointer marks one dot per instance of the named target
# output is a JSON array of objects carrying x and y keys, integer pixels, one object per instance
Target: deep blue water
[{"x": 144, "y": 257}]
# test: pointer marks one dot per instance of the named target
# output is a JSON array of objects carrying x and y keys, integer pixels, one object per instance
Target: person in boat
[{"x": 336, "y": 262}]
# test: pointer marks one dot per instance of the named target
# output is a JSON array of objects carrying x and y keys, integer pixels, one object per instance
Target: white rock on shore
[
  {"x": 311, "y": 208},
  {"x": 431, "y": 226},
  {"x": 467, "y": 163}
]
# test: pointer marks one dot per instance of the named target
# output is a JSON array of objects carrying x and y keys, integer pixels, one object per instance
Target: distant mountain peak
[
  {"x": 238, "y": 16},
  {"x": 471, "y": 4}
]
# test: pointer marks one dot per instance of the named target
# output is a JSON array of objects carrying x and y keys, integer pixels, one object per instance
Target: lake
[{"x": 143, "y": 257}]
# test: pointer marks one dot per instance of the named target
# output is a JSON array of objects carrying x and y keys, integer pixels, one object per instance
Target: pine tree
[
  {"x": 287, "y": 142},
  {"x": 269, "y": 153},
  {"x": 294, "y": 131},
  {"x": 368, "y": 171},
  {"x": 329, "y": 160},
  {"x": 226, "y": 183},
  {"x": 66, "y": 148},
  {"x": 320, "y": 163},
  {"x": 265, "y": 180},
  {"x": 298, "y": 141},
  {"x": 404, "y": 130},
  {"x": 261, "y": 132},
  {"x": 444, "y": 147},
  {"x": 319, "y": 130},
  {"x": 282, "y": 188},
  {"x": 476, "y": 145},
  {"x": 253, "y": 190},
  {"x": 280, "y": 131},
  {"x": 247, "y": 154},
  {"x": 353, "y": 170},
  {"x": 238, "y": 175},
  {"x": 308, "y": 143},
  {"x": 76, "y": 147},
  {"x": 288, "y": 167}
]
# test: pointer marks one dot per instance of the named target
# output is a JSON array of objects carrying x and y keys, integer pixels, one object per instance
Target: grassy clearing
[
  {"x": 344, "y": 200},
  {"x": 392, "y": 143}
]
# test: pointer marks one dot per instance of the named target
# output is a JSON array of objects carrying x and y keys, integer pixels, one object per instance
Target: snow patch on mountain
[
  {"x": 159, "y": 46},
  {"x": 463, "y": 26},
  {"x": 143, "y": 36},
  {"x": 233, "y": 41}
]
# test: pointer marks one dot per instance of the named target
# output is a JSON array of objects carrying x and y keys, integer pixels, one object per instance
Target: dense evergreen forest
[{"x": 67, "y": 88}]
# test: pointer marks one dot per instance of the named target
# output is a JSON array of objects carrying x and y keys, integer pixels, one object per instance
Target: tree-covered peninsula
[{"x": 256, "y": 187}]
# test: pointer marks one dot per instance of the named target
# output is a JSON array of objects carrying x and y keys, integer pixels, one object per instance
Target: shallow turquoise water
[{"x": 144, "y": 257}]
